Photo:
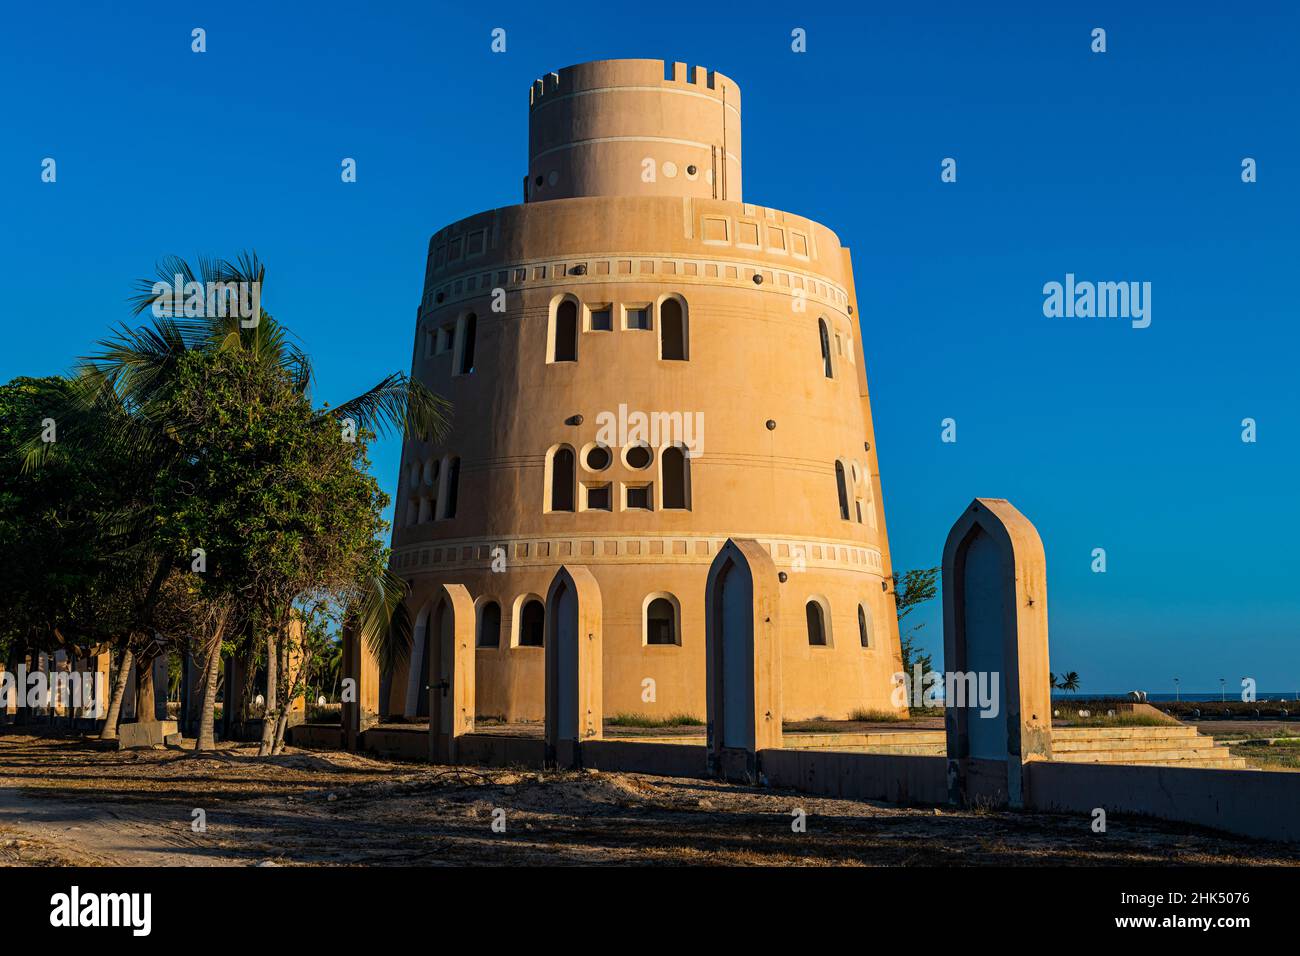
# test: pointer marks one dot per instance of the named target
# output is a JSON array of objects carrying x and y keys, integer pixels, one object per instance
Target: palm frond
[
  {"x": 403, "y": 404},
  {"x": 382, "y": 620}
]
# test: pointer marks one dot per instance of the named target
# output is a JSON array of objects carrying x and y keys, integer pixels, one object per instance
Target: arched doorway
[
  {"x": 574, "y": 674},
  {"x": 999, "y": 711},
  {"x": 449, "y": 672},
  {"x": 984, "y": 613},
  {"x": 736, "y": 599},
  {"x": 742, "y": 658},
  {"x": 416, "y": 701},
  {"x": 565, "y": 636},
  {"x": 437, "y": 655}
]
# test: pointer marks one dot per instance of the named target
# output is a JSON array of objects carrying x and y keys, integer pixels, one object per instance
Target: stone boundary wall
[
  {"x": 667, "y": 760},
  {"x": 896, "y": 778},
  {"x": 1257, "y": 803}
]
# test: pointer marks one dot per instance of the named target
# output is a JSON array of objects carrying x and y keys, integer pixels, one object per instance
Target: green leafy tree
[
  {"x": 143, "y": 393},
  {"x": 280, "y": 503},
  {"x": 69, "y": 574},
  {"x": 913, "y": 588}
]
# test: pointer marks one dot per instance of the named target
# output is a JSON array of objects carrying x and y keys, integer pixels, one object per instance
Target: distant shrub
[{"x": 645, "y": 720}]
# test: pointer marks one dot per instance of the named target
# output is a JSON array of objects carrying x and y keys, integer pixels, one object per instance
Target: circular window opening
[
  {"x": 597, "y": 458},
  {"x": 638, "y": 457},
  {"x": 538, "y": 180}
]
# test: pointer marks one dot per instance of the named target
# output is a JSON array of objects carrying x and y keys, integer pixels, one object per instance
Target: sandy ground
[{"x": 63, "y": 801}]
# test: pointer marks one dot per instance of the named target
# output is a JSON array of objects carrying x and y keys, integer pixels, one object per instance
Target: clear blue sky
[{"x": 1117, "y": 166}]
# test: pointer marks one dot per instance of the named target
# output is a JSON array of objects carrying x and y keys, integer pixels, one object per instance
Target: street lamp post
[{"x": 1177, "y": 695}]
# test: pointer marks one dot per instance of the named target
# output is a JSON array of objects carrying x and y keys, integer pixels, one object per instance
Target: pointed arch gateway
[
  {"x": 995, "y": 641},
  {"x": 449, "y": 671},
  {"x": 574, "y": 675},
  {"x": 415, "y": 703},
  {"x": 742, "y": 627}
]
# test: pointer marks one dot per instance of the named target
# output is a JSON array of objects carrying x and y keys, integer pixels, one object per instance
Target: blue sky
[{"x": 1117, "y": 166}]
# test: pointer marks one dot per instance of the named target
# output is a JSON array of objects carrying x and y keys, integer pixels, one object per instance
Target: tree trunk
[
  {"x": 247, "y": 697},
  {"x": 145, "y": 708},
  {"x": 271, "y": 712},
  {"x": 21, "y": 712},
  {"x": 12, "y": 671},
  {"x": 207, "y": 739},
  {"x": 119, "y": 692},
  {"x": 292, "y": 680}
]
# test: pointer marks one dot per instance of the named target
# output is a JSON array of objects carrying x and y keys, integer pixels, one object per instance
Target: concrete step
[
  {"x": 1126, "y": 746},
  {"x": 1122, "y": 733},
  {"x": 873, "y": 739},
  {"x": 1222, "y": 763},
  {"x": 1211, "y": 754}
]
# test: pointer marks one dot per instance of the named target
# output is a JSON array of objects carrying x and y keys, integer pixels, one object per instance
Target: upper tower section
[{"x": 633, "y": 128}]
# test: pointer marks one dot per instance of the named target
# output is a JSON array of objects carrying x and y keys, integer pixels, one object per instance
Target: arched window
[
  {"x": 561, "y": 477},
  {"x": 661, "y": 621},
  {"x": 826, "y": 348},
  {"x": 532, "y": 623},
  {"x": 864, "y": 627},
  {"x": 489, "y": 624},
  {"x": 818, "y": 633},
  {"x": 453, "y": 488},
  {"x": 672, "y": 331},
  {"x": 676, "y": 475},
  {"x": 843, "y": 490},
  {"x": 564, "y": 332},
  {"x": 468, "y": 333}
]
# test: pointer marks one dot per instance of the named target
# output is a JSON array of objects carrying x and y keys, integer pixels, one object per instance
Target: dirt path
[
  {"x": 64, "y": 802},
  {"x": 97, "y": 835}
]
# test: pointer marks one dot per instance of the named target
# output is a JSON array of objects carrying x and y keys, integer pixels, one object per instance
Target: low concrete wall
[
  {"x": 896, "y": 778},
  {"x": 1256, "y": 803},
  {"x": 495, "y": 750},
  {"x": 315, "y": 736},
  {"x": 668, "y": 760},
  {"x": 393, "y": 742}
]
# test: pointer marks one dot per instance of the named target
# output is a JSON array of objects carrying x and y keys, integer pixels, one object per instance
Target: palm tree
[
  {"x": 1069, "y": 682},
  {"x": 133, "y": 371}
]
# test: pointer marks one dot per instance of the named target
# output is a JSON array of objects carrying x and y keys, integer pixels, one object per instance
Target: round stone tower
[{"x": 642, "y": 366}]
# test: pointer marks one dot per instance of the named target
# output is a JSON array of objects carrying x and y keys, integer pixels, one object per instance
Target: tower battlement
[
  {"x": 640, "y": 72},
  {"x": 633, "y": 128}
]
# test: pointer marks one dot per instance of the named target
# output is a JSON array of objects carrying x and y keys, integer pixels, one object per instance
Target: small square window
[
  {"x": 602, "y": 319},
  {"x": 638, "y": 498},
  {"x": 598, "y": 497},
  {"x": 637, "y": 317},
  {"x": 445, "y": 335}
]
